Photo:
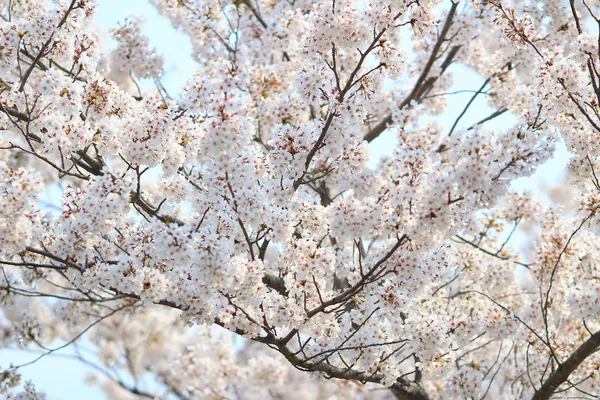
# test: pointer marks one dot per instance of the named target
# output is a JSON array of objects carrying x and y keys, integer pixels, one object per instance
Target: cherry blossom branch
[
  {"x": 495, "y": 254},
  {"x": 276, "y": 282},
  {"x": 546, "y": 301},
  {"x": 95, "y": 167},
  {"x": 423, "y": 84},
  {"x": 62, "y": 171},
  {"x": 565, "y": 369},
  {"x": 402, "y": 389},
  {"x": 474, "y": 96},
  {"x": 51, "y": 256},
  {"x": 493, "y": 115},
  {"x": 74, "y": 339},
  {"x": 239, "y": 219},
  {"x": 350, "y": 83},
  {"x": 317, "y": 146},
  {"x": 358, "y": 285},
  {"x": 510, "y": 313},
  {"x": 255, "y": 12},
  {"x": 518, "y": 32},
  {"x": 44, "y": 48}
]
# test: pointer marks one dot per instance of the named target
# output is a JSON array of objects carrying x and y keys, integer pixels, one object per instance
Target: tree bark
[{"x": 565, "y": 369}]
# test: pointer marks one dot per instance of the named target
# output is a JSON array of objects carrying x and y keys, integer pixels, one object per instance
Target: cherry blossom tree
[{"x": 232, "y": 242}]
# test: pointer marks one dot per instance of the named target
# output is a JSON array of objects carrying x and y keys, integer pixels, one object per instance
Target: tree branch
[
  {"x": 423, "y": 84},
  {"x": 561, "y": 374}
]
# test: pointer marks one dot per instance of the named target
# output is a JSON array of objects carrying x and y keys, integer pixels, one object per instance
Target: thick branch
[
  {"x": 562, "y": 373},
  {"x": 403, "y": 389}
]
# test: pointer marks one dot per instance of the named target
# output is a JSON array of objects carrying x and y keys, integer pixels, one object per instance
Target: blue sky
[{"x": 174, "y": 46}]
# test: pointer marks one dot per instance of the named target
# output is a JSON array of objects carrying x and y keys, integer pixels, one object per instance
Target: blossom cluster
[{"x": 252, "y": 202}]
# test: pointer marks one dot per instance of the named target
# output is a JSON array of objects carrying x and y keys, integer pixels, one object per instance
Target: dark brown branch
[
  {"x": 561, "y": 374},
  {"x": 473, "y": 97},
  {"x": 403, "y": 389},
  {"x": 275, "y": 283},
  {"x": 363, "y": 281},
  {"x": 546, "y": 301},
  {"x": 495, "y": 254},
  {"x": 319, "y": 143},
  {"x": 51, "y": 256},
  {"x": 493, "y": 115},
  {"x": 423, "y": 83},
  {"x": 44, "y": 49},
  {"x": 13, "y": 112},
  {"x": 254, "y": 11}
]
